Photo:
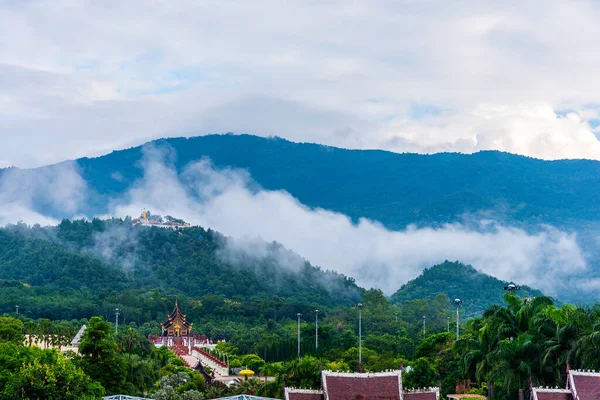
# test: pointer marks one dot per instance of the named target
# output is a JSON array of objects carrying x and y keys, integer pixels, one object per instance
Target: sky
[{"x": 82, "y": 78}]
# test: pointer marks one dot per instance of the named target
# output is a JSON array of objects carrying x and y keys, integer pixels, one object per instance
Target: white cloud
[
  {"x": 97, "y": 76},
  {"x": 534, "y": 130},
  {"x": 228, "y": 201},
  {"x": 35, "y": 196}
]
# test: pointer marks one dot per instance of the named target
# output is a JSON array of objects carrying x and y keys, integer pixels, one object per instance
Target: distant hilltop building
[{"x": 149, "y": 219}]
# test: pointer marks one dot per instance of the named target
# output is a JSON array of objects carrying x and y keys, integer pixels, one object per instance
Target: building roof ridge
[
  {"x": 546, "y": 389},
  {"x": 391, "y": 373},
  {"x": 299, "y": 390},
  {"x": 581, "y": 372},
  {"x": 423, "y": 390}
]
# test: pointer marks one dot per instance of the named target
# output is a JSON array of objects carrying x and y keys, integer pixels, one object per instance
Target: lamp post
[
  {"x": 117, "y": 313},
  {"x": 448, "y": 328},
  {"x": 457, "y": 303},
  {"x": 298, "y": 315},
  {"x": 316, "y": 331},
  {"x": 511, "y": 287},
  {"x": 396, "y": 317},
  {"x": 424, "y": 317},
  {"x": 360, "y": 306},
  {"x": 17, "y": 307}
]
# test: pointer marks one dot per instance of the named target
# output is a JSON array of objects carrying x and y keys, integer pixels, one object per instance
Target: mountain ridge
[
  {"x": 398, "y": 188},
  {"x": 476, "y": 289}
]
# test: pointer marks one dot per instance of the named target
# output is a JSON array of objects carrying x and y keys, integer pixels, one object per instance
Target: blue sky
[{"x": 83, "y": 78}]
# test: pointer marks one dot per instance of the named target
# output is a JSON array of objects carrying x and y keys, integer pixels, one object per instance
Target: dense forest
[
  {"x": 61, "y": 276},
  {"x": 477, "y": 290},
  {"x": 525, "y": 341},
  {"x": 398, "y": 190},
  {"x": 83, "y": 268}
]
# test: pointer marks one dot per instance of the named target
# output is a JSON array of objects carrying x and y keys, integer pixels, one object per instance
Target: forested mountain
[
  {"x": 395, "y": 189},
  {"x": 477, "y": 290},
  {"x": 81, "y": 268}
]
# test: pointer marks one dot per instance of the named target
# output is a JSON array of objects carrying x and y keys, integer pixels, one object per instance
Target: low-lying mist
[{"x": 229, "y": 201}]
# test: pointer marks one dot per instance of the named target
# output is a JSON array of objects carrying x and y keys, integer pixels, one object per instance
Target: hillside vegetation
[
  {"x": 81, "y": 268},
  {"x": 477, "y": 290}
]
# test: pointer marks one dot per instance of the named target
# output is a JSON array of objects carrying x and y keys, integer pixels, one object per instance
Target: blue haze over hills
[{"x": 395, "y": 189}]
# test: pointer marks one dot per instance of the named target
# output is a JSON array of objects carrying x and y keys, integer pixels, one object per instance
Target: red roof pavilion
[
  {"x": 361, "y": 386},
  {"x": 581, "y": 385}
]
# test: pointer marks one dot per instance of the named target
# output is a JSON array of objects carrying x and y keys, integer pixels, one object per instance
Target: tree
[
  {"x": 99, "y": 358},
  {"x": 253, "y": 362},
  {"x": 475, "y": 354},
  {"x": 421, "y": 375},
  {"x": 517, "y": 357},
  {"x": 58, "y": 380},
  {"x": 11, "y": 330}
]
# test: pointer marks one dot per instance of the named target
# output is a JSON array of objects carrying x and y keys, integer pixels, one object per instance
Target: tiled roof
[
  {"x": 585, "y": 385},
  {"x": 429, "y": 394},
  {"x": 303, "y": 394},
  {"x": 376, "y": 386},
  {"x": 551, "y": 394}
]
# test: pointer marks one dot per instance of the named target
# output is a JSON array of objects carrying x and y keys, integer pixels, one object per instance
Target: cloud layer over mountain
[
  {"x": 229, "y": 201},
  {"x": 83, "y": 78}
]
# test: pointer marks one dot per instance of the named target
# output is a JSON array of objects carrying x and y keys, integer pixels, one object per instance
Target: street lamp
[
  {"x": 360, "y": 306},
  {"x": 298, "y": 315},
  {"x": 457, "y": 303},
  {"x": 317, "y": 331},
  {"x": 424, "y": 325},
  {"x": 17, "y": 308},
  {"x": 448, "y": 328},
  {"x": 117, "y": 313},
  {"x": 512, "y": 287}
]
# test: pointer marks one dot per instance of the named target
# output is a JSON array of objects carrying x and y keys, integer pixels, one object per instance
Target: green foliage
[
  {"x": 253, "y": 362},
  {"x": 435, "y": 345},
  {"x": 527, "y": 340},
  {"x": 59, "y": 380},
  {"x": 99, "y": 357},
  {"x": 421, "y": 375},
  {"x": 82, "y": 268},
  {"x": 303, "y": 373},
  {"x": 11, "y": 330},
  {"x": 183, "y": 385},
  {"x": 477, "y": 290}
]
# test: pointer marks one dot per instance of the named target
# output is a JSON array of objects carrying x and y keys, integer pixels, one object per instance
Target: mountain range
[
  {"x": 81, "y": 268},
  {"x": 396, "y": 190}
]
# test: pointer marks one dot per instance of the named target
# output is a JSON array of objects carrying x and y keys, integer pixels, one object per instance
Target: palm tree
[
  {"x": 563, "y": 327},
  {"x": 476, "y": 353},
  {"x": 587, "y": 348},
  {"x": 516, "y": 356}
]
